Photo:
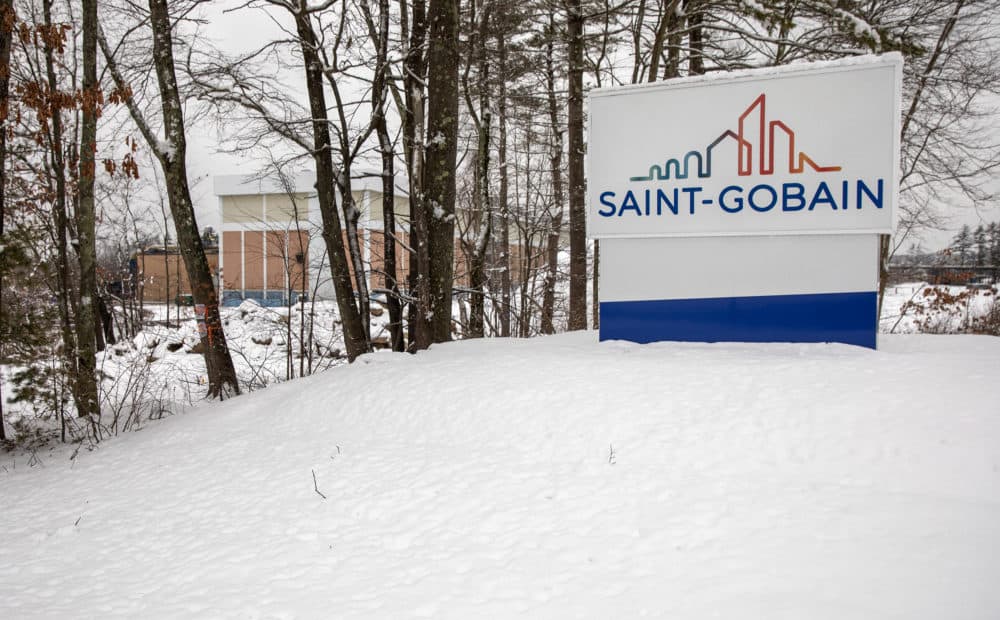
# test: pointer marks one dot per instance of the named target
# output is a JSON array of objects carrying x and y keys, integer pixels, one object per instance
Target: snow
[
  {"x": 555, "y": 477},
  {"x": 166, "y": 148},
  {"x": 758, "y": 72},
  {"x": 915, "y": 307},
  {"x": 753, "y": 6},
  {"x": 256, "y": 335},
  {"x": 862, "y": 29}
]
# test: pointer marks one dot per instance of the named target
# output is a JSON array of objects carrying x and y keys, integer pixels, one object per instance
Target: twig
[
  {"x": 905, "y": 307},
  {"x": 316, "y": 486}
]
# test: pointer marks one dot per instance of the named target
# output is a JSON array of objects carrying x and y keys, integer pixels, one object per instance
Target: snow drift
[{"x": 546, "y": 478}]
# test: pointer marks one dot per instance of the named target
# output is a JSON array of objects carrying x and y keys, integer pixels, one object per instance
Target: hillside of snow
[{"x": 555, "y": 477}]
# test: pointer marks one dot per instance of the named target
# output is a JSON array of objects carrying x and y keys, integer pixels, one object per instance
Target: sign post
[{"x": 746, "y": 208}]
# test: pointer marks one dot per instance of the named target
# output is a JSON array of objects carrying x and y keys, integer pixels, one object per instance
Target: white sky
[
  {"x": 235, "y": 31},
  {"x": 245, "y": 29}
]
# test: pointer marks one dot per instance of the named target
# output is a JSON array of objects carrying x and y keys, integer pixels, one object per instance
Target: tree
[
  {"x": 993, "y": 235},
  {"x": 380, "y": 94},
  {"x": 481, "y": 217},
  {"x": 441, "y": 154},
  {"x": 577, "y": 182},
  {"x": 981, "y": 244},
  {"x": 962, "y": 245},
  {"x": 502, "y": 31},
  {"x": 247, "y": 84},
  {"x": 87, "y": 403},
  {"x": 411, "y": 108},
  {"x": 7, "y": 19},
  {"x": 556, "y": 159},
  {"x": 171, "y": 153},
  {"x": 355, "y": 323}
]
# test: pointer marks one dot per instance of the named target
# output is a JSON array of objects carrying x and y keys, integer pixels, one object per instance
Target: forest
[{"x": 472, "y": 111}]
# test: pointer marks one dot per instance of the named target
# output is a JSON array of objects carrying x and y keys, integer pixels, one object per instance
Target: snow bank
[{"x": 547, "y": 478}]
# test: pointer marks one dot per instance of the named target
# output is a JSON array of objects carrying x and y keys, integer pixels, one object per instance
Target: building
[
  {"x": 271, "y": 245},
  {"x": 159, "y": 273},
  {"x": 271, "y": 248}
]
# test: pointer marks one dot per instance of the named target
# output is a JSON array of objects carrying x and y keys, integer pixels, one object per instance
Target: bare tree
[
  {"x": 441, "y": 154},
  {"x": 87, "y": 404},
  {"x": 556, "y": 159},
  {"x": 577, "y": 183},
  {"x": 171, "y": 153},
  {"x": 481, "y": 220},
  {"x": 411, "y": 107},
  {"x": 7, "y": 19},
  {"x": 380, "y": 93}
]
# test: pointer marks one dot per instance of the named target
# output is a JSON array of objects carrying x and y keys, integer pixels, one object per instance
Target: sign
[
  {"x": 746, "y": 208},
  {"x": 801, "y": 149},
  {"x": 747, "y": 288}
]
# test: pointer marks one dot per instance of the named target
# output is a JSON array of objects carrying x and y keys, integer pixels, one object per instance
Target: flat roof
[{"x": 303, "y": 183}]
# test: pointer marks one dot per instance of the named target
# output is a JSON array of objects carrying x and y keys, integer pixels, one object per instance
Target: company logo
[
  {"x": 746, "y": 146},
  {"x": 760, "y": 148}
]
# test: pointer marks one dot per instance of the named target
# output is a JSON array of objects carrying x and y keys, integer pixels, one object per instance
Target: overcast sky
[
  {"x": 245, "y": 29},
  {"x": 235, "y": 31}
]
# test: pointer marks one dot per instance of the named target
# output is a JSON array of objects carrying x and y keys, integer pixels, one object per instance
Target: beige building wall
[
  {"x": 283, "y": 208},
  {"x": 242, "y": 209},
  {"x": 401, "y": 205}
]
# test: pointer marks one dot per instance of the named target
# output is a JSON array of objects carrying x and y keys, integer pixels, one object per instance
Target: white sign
[{"x": 801, "y": 149}]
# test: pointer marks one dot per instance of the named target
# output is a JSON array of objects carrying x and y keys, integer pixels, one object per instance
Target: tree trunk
[
  {"x": 595, "y": 306},
  {"x": 351, "y": 216},
  {"x": 86, "y": 321},
  {"x": 884, "y": 243},
  {"x": 379, "y": 94},
  {"x": 504, "y": 258},
  {"x": 696, "y": 62},
  {"x": 667, "y": 21},
  {"x": 351, "y": 320},
  {"x": 172, "y": 155},
  {"x": 58, "y": 167},
  {"x": 166, "y": 260},
  {"x": 555, "y": 223},
  {"x": 439, "y": 175},
  {"x": 672, "y": 68},
  {"x": 7, "y": 19},
  {"x": 413, "y": 143},
  {"x": 577, "y": 209},
  {"x": 477, "y": 263},
  {"x": 106, "y": 324}
]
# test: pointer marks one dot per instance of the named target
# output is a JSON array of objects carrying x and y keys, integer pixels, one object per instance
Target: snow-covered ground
[
  {"x": 919, "y": 307},
  {"x": 555, "y": 477},
  {"x": 161, "y": 371}
]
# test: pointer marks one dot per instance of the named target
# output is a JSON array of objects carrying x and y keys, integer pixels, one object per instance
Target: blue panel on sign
[{"x": 850, "y": 318}]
